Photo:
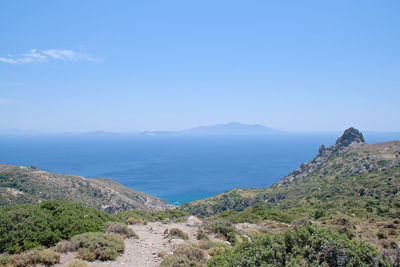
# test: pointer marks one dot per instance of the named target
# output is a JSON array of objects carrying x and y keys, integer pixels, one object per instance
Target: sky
[{"x": 127, "y": 66}]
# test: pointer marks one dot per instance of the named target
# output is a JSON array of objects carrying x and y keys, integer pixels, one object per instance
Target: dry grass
[
  {"x": 36, "y": 256},
  {"x": 78, "y": 263},
  {"x": 121, "y": 230}
]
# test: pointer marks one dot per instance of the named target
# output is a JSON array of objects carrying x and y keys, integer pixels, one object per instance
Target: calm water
[{"x": 174, "y": 168}]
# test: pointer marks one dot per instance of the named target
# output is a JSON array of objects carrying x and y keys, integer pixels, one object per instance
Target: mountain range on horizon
[{"x": 231, "y": 128}]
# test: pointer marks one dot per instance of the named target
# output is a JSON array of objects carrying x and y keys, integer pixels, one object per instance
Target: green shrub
[
  {"x": 302, "y": 221},
  {"x": 273, "y": 214},
  {"x": 201, "y": 234},
  {"x": 25, "y": 227},
  {"x": 224, "y": 228},
  {"x": 317, "y": 213},
  {"x": 175, "y": 232},
  {"x": 98, "y": 246},
  {"x": 302, "y": 246},
  {"x": 71, "y": 219},
  {"x": 4, "y": 259}
]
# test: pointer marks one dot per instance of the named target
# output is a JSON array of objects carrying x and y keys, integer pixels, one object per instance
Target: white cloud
[
  {"x": 69, "y": 55},
  {"x": 51, "y": 54}
]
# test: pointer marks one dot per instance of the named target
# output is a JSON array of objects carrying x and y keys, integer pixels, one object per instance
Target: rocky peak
[{"x": 350, "y": 136}]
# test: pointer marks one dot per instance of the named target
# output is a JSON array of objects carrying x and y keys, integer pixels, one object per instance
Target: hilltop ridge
[
  {"x": 338, "y": 173},
  {"x": 351, "y": 138},
  {"x": 21, "y": 185}
]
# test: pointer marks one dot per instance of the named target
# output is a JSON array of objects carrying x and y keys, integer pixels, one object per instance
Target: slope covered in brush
[
  {"x": 349, "y": 176},
  {"x": 29, "y": 185}
]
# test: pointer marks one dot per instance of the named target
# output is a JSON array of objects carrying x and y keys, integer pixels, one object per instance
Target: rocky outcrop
[{"x": 351, "y": 138}]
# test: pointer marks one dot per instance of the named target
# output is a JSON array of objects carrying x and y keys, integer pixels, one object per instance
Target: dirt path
[{"x": 142, "y": 252}]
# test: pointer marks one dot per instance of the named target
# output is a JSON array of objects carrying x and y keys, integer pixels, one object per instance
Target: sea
[{"x": 175, "y": 168}]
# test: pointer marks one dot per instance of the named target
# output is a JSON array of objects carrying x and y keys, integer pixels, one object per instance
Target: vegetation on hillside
[
  {"x": 27, "y": 185},
  {"x": 24, "y": 227}
]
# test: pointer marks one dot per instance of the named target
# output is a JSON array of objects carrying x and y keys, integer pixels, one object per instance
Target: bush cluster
[
  {"x": 25, "y": 227},
  {"x": 177, "y": 233},
  {"x": 121, "y": 229},
  {"x": 97, "y": 246},
  {"x": 302, "y": 246},
  {"x": 257, "y": 214}
]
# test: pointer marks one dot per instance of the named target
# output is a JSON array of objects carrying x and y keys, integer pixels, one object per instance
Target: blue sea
[{"x": 175, "y": 168}]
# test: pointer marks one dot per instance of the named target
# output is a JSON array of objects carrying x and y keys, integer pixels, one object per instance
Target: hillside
[
  {"x": 349, "y": 176},
  {"x": 20, "y": 185}
]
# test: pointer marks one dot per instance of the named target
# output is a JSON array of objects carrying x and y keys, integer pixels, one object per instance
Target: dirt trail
[{"x": 142, "y": 252}]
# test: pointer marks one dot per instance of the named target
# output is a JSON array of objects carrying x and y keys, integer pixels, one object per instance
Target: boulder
[{"x": 193, "y": 221}]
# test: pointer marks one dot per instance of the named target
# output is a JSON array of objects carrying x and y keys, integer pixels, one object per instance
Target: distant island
[{"x": 232, "y": 128}]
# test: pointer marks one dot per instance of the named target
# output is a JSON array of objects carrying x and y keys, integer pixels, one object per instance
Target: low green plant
[
  {"x": 223, "y": 228},
  {"x": 301, "y": 246},
  {"x": 177, "y": 233},
  {"x": 201, "y": 234},
  {"x": 98, "y": 246}
]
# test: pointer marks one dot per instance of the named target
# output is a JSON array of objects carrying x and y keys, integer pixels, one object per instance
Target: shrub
[
  {"x": 162, "y": 253},
  {"x": 302, "y": 221},
  {"x": 4, "y": 259},
  {"x": 35, "y": 256},
  {"x": 223, "y": 228},
  {"x": 304, "y": 246},
  {"x": 25, "y": 227},
  {"x": 317, "y": 213},
  {"x": 78, "y": 263},
  {"x": 132, "y": 221},
  {"x": 136, "y": 216},
  {"x": 175, "y": 232},
  {"x": 272, "y": 214},
  {"x": 121, "y": 229},
  {"x": 71, "y": 219},
  {"x": 98, "y": 246},
  {"x": 176, "y": 261},
  {"x": 381, "y": 235},
  {"x": 66, "y": 246},
  {"x": 201, "y": 234},
  {"x": 190, "y": 252}
]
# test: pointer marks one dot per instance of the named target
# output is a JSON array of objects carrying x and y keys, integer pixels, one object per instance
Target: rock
[
  {"x": 193, "y": 221},
  {"x": 350, "y": 136}
]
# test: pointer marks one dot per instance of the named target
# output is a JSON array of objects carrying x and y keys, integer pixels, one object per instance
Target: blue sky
[{"x": 168, "y": 65}]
